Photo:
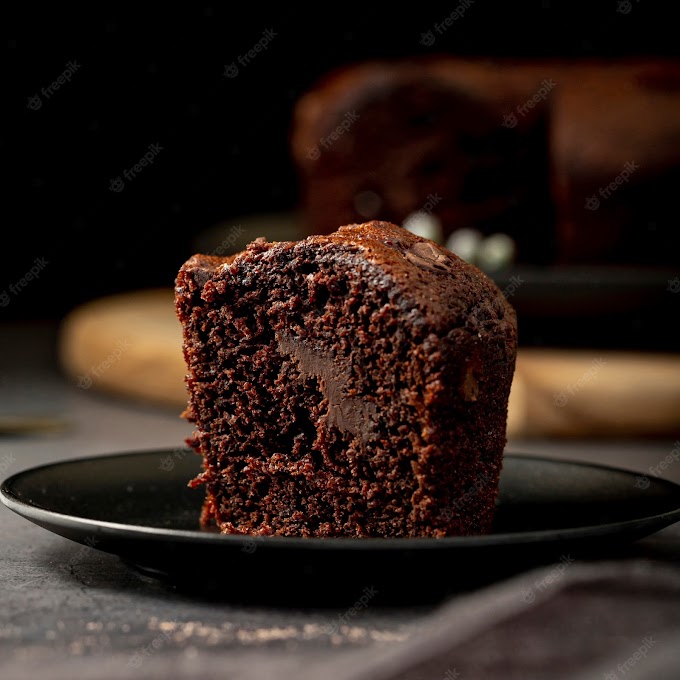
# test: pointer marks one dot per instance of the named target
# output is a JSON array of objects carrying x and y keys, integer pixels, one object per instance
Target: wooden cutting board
[{"x": 130, "y": 345}]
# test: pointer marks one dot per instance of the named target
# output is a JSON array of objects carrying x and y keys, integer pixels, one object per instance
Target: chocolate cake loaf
[
  {"x": 353, "y": 384},
  {"x": 386, "y": 139},
  {"x": 575, "y": 161}
]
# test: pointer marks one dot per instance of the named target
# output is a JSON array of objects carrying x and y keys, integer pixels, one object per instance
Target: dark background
[{"x": 156, "y": 75}]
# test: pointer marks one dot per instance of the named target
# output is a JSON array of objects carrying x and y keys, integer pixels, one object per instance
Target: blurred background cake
[{"x": 575, "y": 161}]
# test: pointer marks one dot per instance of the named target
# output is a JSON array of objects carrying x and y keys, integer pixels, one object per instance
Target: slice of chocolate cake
[{"x": 354, "y": 384}]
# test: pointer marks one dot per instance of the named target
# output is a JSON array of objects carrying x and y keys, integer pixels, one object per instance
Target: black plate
[{"x": 138, "y": 506}]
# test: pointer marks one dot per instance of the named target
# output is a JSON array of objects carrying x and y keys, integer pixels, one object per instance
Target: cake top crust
[{"x": 444, "y": 288}]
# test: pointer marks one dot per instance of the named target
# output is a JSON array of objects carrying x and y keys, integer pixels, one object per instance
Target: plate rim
[{"x": 140, "y": 533}]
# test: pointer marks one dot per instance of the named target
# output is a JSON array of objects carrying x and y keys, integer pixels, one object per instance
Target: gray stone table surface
[{"x": 68, "y": 611}]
